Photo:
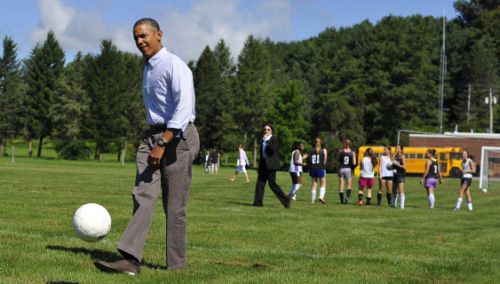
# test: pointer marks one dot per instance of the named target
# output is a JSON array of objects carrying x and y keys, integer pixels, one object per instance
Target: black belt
[{"x": 160, "y": 127}]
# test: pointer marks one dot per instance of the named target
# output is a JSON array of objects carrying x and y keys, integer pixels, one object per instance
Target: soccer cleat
[
  {"x": 360, "y": 202},
  {"x": 321, "y": 200},
  {"x": 294, "y": 197},
  {"x": 455, "y": 209}
]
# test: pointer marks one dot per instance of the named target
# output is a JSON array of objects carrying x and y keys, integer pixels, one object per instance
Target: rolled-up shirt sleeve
[{"x": 183, "y": 97}]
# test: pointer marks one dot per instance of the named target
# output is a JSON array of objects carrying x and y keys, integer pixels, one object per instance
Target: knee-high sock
[
  {"x": 322, "y": 191},
  {"x": 394, "y": 197},
  {"x": 313, "y": 195},
  {"x": 348, "y": 196},
  {"x": 295, "y": 188},
  {"x": 431, "y": 200},
  {"x": 379, "y": 198},
  {"x": 402, "y": 201},
  {"x": 341, "y": 196},
  {"x": 459, "y": 203},
  {"x": 389, "y": 198}
]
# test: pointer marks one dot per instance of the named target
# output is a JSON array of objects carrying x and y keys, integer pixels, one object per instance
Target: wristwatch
[{"x": 162, "y": 142}]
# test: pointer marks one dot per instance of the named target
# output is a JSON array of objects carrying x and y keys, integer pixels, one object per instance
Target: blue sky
[{"x": 191, "y": 25}]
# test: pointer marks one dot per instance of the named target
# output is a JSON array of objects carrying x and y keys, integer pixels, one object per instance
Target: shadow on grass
[
  {"x": 101, "y": 254},
  {"x": 241, "y": 203}
]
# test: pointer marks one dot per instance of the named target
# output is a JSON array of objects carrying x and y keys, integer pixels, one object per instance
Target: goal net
[{"x": 490, "y": 168}]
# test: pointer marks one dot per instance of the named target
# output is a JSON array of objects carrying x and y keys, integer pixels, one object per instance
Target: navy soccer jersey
[
  {"x": 399, "y": 171},
  {"x": 317, "y": 160},
  {"x": 433, "y": 170},
  {"x": 346, "y": 160}
]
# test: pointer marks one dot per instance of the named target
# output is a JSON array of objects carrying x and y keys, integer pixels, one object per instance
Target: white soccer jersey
[
  {"x": 294, "y": 168},
  {"x": 385, "y": 161},
  {"x": 467, "y": 165},
  {"x": 367, "y": 168}
]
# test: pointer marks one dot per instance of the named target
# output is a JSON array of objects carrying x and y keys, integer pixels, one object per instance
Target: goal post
[{"x": 490, "y": 166}]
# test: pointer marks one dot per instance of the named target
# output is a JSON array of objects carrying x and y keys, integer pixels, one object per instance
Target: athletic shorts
[
  {"x": 388, "y": 178},
  {"x": 345, "y": 173},
  {"x": 241, "y": 169},
  {"x": 366, "y": 182},
  {"x": 398, "y": 179},
  {"x": 318, "y": 173},
  {"x": 295, "y": 174},
  {"x": 468, "y": 181},
  {"x": 430, "y": 182}
]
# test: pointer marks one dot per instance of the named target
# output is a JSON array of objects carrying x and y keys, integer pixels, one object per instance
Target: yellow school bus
[{"x": 449, "y": 159}]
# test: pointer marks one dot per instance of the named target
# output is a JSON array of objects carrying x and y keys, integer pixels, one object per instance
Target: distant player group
[{"x": 391, "y": 170}]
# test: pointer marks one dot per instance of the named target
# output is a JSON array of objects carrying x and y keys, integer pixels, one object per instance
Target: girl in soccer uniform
[
  {"x": 317, "y": 164},
  {"x": 399, "y": 165},
  {"x": 241, "y": 164},
  {"x": 385, "y": 176},
  {"x": 295, "y": 169},
  {"x": 468, "y": 168},
  {"x": 431, "y": 176},
  {"x": 367, "y": 176},
  {"x": 347, "y": 162}
]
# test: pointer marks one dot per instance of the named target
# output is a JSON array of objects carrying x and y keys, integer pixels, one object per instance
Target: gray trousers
[{"x": 173, "y": 178}]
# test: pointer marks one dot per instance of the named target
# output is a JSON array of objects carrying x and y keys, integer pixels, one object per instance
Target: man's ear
[{"x": 159, "y": 34}]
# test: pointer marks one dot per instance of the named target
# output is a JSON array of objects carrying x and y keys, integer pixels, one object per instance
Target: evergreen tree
[
  {"x": 107, "y": 86},
  {"x": 72, "y": 105},
  {"x": 289, "y": 115},
  {"x": 230, "y": 132},
  {"x": 254, "y": 88},
  {"x": 44, "y": 69},
  {"x": 12, "y": 94},
  {"x": 134, "y": 110},
  {"x": 206, "y": 82}
]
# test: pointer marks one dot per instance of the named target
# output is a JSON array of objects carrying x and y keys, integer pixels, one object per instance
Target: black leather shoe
[
  {"x": 130, "y": 267},
  {"x": 287, "y": 204}
]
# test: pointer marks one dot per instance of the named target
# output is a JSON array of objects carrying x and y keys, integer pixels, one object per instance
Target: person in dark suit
[{"x": 268, "y": 165}]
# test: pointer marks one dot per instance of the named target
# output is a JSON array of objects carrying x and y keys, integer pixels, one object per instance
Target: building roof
[{"x": 459, "y": 135}]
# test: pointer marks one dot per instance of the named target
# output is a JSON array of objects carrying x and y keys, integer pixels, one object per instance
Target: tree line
[{"x": 363, "y": 82}]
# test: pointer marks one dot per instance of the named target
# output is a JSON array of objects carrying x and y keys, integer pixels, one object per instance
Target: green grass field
[{"x": 233, "y": 242}]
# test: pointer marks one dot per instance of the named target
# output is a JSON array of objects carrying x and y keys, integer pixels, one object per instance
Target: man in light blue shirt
[{"x": 165, "y": 156}]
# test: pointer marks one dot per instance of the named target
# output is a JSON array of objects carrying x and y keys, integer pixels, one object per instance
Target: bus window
[
  {"x": 456, "y": 156},
  {"x": 442, "y": 156},
  {"x": 412, "y": 156},
  {"x": 420, "y": 156}
]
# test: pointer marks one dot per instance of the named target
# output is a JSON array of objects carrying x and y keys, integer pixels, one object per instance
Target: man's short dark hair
[{"x": 151, "y": 22}]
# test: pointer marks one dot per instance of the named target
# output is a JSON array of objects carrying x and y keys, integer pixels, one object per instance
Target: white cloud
[
  {"x": 186, "y": 33},
  {"x": 208, "y": 21}
]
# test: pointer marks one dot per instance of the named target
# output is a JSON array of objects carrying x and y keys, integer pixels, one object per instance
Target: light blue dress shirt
[{"x": 168, "y": 91}]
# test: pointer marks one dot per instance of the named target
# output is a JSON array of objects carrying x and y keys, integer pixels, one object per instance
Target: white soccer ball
[{"x": 91, "y": 222}]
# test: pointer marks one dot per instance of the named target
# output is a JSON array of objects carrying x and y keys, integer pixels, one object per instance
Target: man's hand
[{"x": 155, "y": 155}]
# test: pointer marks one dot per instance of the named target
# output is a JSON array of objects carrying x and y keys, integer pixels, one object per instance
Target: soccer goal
[{"x": 490, "y": 168}]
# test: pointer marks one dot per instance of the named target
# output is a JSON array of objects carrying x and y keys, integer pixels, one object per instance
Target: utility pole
[
  {"x": 491, "y": 100},
  {"x": 442, "y": 75}
]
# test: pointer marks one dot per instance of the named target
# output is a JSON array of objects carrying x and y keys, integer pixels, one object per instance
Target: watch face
[{"x": 161, "y": 142}]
